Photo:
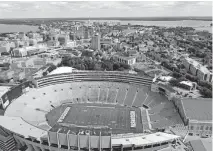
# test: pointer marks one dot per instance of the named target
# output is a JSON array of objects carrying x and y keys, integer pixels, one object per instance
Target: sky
[{"x": 74, "y": 9}]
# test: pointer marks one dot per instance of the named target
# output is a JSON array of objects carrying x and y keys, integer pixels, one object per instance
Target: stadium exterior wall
[
  {"x": 37, "y": 146},
  {"x": 200, "y": 128},
  {"x": 179, "y": 107}
]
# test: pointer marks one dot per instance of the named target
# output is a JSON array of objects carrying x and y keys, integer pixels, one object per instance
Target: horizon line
[{"x": 113, "y": 17}]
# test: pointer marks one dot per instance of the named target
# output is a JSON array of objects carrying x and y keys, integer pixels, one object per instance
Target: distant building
[
  {"x": 72, "y": 36},
  {"x": 32, "y": 42},
  {"x": 5, "y": 59},
  {"x": 35, "y": 62},
  {"x": 63, "y": 39},
  {"x": 107, "y": 41},
  {"x": 71, "y": 44},
  {"x": 86, "y": 32},
  {"x": 95, "y": 43},
  {"x": 88, "y": 53},
  {"x": 4, "y": 47},
  {"x": 6, "y": 75},
  {"x": 128, "y": 60},
  {"x": 53, "y": 42},
  {"x": 19, "y": 52},
  {"x": 197, "y": 69}
]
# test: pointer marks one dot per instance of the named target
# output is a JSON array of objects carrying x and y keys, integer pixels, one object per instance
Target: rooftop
[
  {"x": 202, "y": 144},
  {"x": 199, "y": 109},
  {"x": 61, "y": 70},
  {"x": 197, "y": 65},
  {"x": 145, "y": 140},
  {"x": 121, "y": 55}
]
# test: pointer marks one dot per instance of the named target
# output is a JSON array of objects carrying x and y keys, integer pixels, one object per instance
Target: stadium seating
[
  {"x": 3, "y": 132},
  {"x": 130, "y": 95},
  {"x": 93, "y": 94},
  {"x": 164, "y": 115},
  {"x": 93, "y": 76},
  {"x": 103, "y": 95},
  {"x": 140, "y": 97},
  {"x": 112, "y": 93}
]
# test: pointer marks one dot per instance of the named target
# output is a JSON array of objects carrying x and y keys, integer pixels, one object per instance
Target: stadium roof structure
[
  {"x": 61, "y": 70},
  {"x": 3, "y": 90},
  {"x": 21, "y": 127},
  {"x": 199, "y": 109},
  {"x": 145, "y": 140}
]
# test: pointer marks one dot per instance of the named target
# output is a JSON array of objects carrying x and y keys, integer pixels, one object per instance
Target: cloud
[
  {"x": 4, "y": 5},
  {"x": 109, "y": 5},
  {"x": 37, "y": 6},
  {"x": 105, "y": 8},
  {"x": 204, "y": 3},
  {"x": 58, "y": 3}
]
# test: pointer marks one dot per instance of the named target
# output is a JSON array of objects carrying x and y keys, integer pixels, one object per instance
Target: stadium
[{"x": 96, "y": 110}]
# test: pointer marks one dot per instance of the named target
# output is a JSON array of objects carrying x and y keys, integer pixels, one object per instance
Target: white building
[
  {"x": 197, "y": 69},
  {"x": 128, "y": 60}
]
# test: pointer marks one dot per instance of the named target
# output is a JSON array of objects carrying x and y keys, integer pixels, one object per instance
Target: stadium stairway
[
  {"x": 103, "y": 95},
  {"x": 121, "y": 95},
  {"x": 93, "y": 94},
  {"x": 140, "y": 97},
  {"x": 130, "y": 95},
  {"x": 112, "y": 93}
]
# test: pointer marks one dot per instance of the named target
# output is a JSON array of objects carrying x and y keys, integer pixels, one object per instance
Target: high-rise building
[
  {"x": 95, "y": 43},
  {"x": 72, "y": 36},
  {"x": 85, "y": 32}
]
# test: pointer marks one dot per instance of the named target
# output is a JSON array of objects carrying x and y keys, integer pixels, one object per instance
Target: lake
[
  {"x": 6, "y": 28},
  {"x": 197, "y": 24}
]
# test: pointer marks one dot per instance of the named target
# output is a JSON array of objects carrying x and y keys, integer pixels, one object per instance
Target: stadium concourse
[{"x": 87, "y": 110}]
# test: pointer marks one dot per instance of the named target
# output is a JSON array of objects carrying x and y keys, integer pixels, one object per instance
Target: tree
[
  {"x": 206, "y": 92},
  {"x": 192, "y": 78},
  {"x": 116, "y": 66},
  {"x": 125, "y": 66},
  {"x": 51, "y": 68},
  {"x": 107, "y": 65},
  {"x": 3, "y": 81},
  {"x": 98, "y": 67},
  {"x": 121, "y": 69},
  {"x": 205, "y": 84},
  {"x": 176, "y": 75},
  {"x": 44, "y": 73},
  {"x": 174, "y": 82}
]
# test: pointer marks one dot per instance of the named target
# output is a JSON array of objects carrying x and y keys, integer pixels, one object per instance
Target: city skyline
[{"x": 75, "y": 9}]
